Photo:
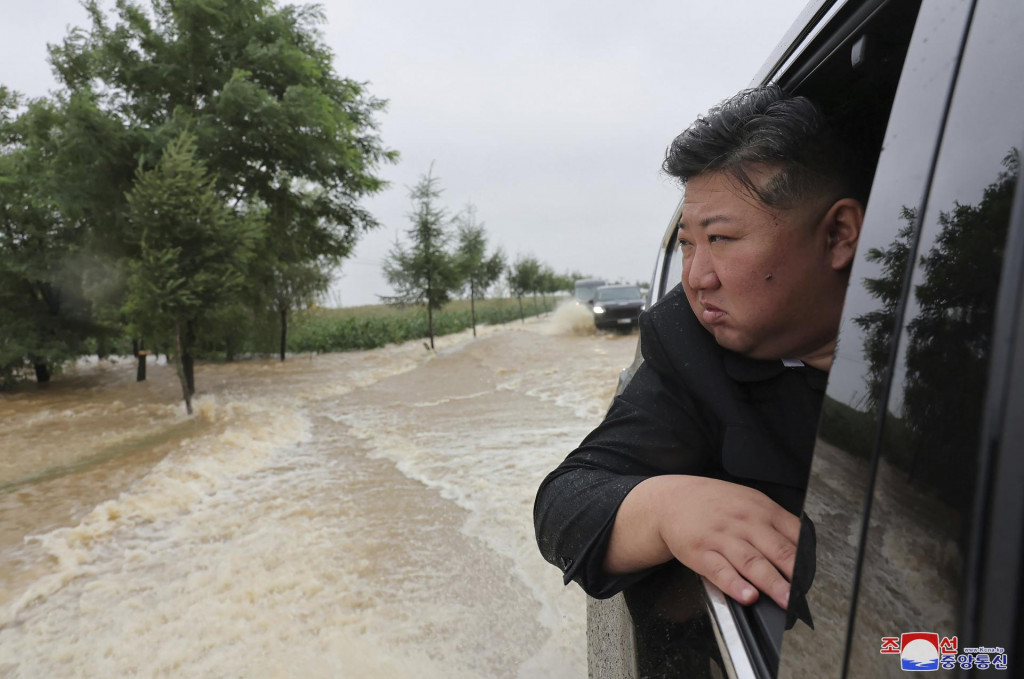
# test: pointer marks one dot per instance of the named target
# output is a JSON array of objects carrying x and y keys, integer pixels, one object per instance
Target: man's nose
[{"x": 699, "y": 272}]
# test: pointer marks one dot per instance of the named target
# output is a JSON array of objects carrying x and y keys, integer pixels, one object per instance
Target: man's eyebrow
[{"x": 707, "y": 221}]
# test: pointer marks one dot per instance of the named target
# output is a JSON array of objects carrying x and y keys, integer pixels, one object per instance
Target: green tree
[
  {"x": 279, "y": 130},
  {"x": 524, "y": 277},
  {"x": 550, "y": 283},
  {"x": 477, "y": 270},
  {"x": 45, "y": 319},
  {"x": 426, "y": 272},
  {"x": 193, "y": 252}
]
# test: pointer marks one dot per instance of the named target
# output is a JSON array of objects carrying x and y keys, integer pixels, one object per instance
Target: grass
[{"x": 369, "y": 327}]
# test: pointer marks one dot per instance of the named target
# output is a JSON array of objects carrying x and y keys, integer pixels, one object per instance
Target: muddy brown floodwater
[{"x": 360, "y": 515}]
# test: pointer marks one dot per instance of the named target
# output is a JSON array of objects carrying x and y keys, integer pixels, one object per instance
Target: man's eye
[
  {"x": 718, "y": 238},
  {"x": 684, "y": 243}
]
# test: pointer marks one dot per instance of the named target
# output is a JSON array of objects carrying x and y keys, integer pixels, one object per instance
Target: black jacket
[{"x": 691, "y": 408}]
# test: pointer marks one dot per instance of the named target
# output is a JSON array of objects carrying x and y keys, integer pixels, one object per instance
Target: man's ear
[{"x": 843, "y": 223}]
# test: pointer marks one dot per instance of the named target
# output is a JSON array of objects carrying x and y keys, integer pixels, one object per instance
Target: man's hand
[{"x": 735, "y": 536}]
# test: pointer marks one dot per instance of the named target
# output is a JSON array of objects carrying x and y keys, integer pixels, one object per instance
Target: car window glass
[
  {"x": 617, "y": 294},
  {"x": 841, "y": 470},
  {"x": 916, "y": 543}
]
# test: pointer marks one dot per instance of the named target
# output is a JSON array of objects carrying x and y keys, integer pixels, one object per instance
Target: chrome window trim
[
  {"x": 659, "y": 286},
  {"x": 804, "y": 29},
  {"x": 827, "y": 13},
  {"x": 730, "y": 642}
]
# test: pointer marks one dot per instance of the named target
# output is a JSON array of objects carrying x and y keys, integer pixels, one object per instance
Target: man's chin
[
  {"x": 727, "y": 339},
  {"x": 738, "y": 344}
]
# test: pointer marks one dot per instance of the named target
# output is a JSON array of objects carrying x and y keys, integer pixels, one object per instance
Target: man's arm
[
  {"x": 648, "y": 431},
  {"x": 736, "y": 536}
]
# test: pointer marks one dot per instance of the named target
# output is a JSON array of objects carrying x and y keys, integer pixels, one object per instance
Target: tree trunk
[
  {"x": 430, "y": 324},
  {"x": 186, "y": 393},
  {"x": 284, "y": 331},
  {"x": 522, "y": 318},
  {"x": 188, "y": 362},
  {"x": 42, "y": 373},
  {"x": 472, "y": 306},
  {"x": 140, "y": 358}
]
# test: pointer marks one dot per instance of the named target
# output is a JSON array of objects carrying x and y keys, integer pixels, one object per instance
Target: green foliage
[
  {"x": 323, "y": 330},
  {"x": 426, "y": 273},
  {"x": 45, "y": 318},
  {"x": 550, "y": 282},
  {"x": 256, "y": 84},
  {"x": 477, "y": 271},
  {"x": 193, "y": 251},
  {"x": 524, "y": 276},
  {"x": 283, "y": 137}
]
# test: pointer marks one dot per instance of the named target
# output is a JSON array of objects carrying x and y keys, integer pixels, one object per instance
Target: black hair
[{"x": 765, "y": 126}]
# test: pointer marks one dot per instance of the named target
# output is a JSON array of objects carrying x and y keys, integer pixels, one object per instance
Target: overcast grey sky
[{"x": 551, "y": 117}]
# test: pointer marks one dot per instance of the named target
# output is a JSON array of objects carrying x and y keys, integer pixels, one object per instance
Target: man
[{"x": 704, "y": 457}]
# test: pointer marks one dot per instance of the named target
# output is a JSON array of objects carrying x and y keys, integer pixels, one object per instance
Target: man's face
[{"x": 761, "y": 280}]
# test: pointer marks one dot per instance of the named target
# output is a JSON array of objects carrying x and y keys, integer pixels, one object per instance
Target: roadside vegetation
[
  {"x": 447, "y": 256},
  {"x": 369, "y": 327}
]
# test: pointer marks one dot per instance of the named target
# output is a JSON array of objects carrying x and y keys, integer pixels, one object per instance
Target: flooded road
[{"x": 364, "y": 514}]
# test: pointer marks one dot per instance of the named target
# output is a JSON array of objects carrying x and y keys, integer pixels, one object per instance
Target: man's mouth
[{"x": 711, "y": 313}]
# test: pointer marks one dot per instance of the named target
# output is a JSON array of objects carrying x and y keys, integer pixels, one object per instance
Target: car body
[
  {"x": 916, "y": 489},
  {"x": 618, "y": 307},
  {"x": 584, "y": 290}
]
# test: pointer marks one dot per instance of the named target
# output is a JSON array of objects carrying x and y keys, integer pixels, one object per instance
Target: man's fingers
[
  {"x": 777, "y": 549},
  {"x": 755, "y": 567},
  {"x": 787, "y": 524},
  {"x": 735, "y": 536},
  {"x": 722, "y": 575}
]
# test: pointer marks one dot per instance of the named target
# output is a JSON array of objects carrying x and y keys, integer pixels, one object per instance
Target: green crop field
[{"x": 368, "y": 327}]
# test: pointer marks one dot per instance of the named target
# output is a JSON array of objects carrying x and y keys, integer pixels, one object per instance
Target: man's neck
[{"x": 821, "y": 359}]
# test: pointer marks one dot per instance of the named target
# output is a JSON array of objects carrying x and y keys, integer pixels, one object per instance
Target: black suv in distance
[
  {"x": 917, "y": 485},
  {"x": 584, "y": 288},
  {"x": 618, "y": 306}
]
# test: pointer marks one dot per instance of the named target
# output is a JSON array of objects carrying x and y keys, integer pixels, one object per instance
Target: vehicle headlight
[{"x": 598, "y": 309}]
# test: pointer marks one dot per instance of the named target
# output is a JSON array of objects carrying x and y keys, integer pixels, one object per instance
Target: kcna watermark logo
[{"x": 925, "y": 652}]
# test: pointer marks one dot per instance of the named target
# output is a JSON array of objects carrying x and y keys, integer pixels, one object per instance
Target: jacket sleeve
[{"x": 652, "y": 428}]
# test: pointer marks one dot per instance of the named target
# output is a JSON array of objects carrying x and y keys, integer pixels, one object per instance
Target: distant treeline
[
  {"x": 369, "y": 327},
  {"x": 437, "y": 263}
]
